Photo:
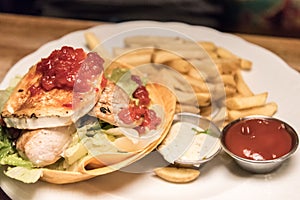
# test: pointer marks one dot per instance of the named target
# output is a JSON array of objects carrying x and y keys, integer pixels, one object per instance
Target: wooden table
[{"x": 22, "y": 35}]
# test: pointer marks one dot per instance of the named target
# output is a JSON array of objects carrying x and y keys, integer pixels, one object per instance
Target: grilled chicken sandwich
[{"x": 66, "y": 121}]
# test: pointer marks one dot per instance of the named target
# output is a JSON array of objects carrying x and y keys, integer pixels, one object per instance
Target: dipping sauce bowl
[
  {"x": 192, "y": 140},
  {"x": 259, "y": 144}
]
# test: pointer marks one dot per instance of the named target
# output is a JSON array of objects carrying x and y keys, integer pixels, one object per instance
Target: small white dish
[{"x": 192, "y": 140}]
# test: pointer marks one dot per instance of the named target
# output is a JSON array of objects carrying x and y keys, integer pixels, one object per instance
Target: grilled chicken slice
[
  {"x": 26, "y": 111},
  {"x": 36, "y": 103},
  {"x": 112, "y": 100},
  {"x": 44, "y": 146}
]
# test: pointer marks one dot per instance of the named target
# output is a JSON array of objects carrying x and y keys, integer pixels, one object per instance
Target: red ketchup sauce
[{"x": 258, "y": 139}]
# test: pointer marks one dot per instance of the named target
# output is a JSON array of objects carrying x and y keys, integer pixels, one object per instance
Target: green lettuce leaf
[
  {"x": 117, "y": 73},
  {"x": 19, "y": 168},
  {"x": 8, "y": 154},
  {"x": 5, "y": 145},
  {"x": 4, "y": 94},
  {"x": 126, "y": 80},
  {"x": 95, "y": 140},
  {"x": 24, "y": 174},
  {"x": 15, "y": 160}
]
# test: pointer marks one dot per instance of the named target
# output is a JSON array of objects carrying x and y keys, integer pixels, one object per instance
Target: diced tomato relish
[
  {"x": 68, "y": 69},
  {"x": 140, "y": 111},
  {"x": 60, "y": 68}
]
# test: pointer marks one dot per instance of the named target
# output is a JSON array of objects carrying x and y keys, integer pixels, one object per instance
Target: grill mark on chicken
[
  {"x": 22, "y": 106},
  {"x": 111, "y": 101}
]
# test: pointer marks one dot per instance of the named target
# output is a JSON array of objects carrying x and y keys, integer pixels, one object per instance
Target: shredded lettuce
[
  {"x": 117, "y": 73},
  {"x": 24, "y": 174},
  {"x": 90, "y": 139},
  {"x": 15, "y": 160},
  {"x": 5, "y": 146},
  {"x": 8, "y": 154},
  {"x": 127, "y": 84},
  {"x": 126, "y": 80},
  {"x": 95, "y": 140},
  {"x": 18, "y": 168},
  {"x": 4, "y": 94}
]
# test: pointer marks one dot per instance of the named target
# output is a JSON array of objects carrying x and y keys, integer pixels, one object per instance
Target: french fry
[
  {"x": 208, "y": 75},
  {"x": 91, "y": 40},
  {"x": 187, "y": 46},
  {"x": 238, "y": 103},
  {"x": 186, "y": 97},
  {"x": 206, "y": 67},
  {"x": 218, "y": 94},
  {"x": 230, "y": 91},
  {"x": 228, "y": 79},
  {"x": 208, "y": 46},
  {"x": 187, "y": 108},
  {"x": 177, "y": 175},
  {"x": 268, "y": 109},
  {"x": 198, "y": 84},
  {"x": 118, "y": 51},
  {"x": 241, "y": 86},
  {"x": 194, "y": 73},
  {"x": 206, "y": 110},
  {"x": 194, "y": 81},
  {"x": 179, "y": 65},
  {"x": 191, "y": 54},
  {"x": 163, "y": 56},
  {"x": 203, "y": 99},
  {"x": 227, "y": 65},
  {"x": 172, "y": 79},
  {"x": 246, "y": 64},
  {"x": 224, "y": 53},
  {"x": 212, "y": 55},
  {"x": 143, "y": 40},
  {"x": 136, "y": 58}
]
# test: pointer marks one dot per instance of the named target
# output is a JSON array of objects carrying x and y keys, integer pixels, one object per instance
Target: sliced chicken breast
[
  {"x": 36, "y": 103},
  {"x": 112, "y": 100},
  {"x": 44, "y": 146}
]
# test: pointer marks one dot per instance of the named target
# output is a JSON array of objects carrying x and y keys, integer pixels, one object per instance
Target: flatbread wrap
[{"x": 81, "y": 127}]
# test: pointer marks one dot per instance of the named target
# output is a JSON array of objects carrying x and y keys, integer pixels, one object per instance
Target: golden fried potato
[
  {"x": 177, "y": 175},
  {"x": 268, "y": 109},
  {"x": 238, "y": 103}
]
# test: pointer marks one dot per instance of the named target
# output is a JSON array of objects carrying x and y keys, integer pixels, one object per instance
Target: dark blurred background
[{"x": 266, "y": 17}]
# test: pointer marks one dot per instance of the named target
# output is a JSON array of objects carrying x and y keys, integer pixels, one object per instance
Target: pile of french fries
[{"x": 201, "y": 74}]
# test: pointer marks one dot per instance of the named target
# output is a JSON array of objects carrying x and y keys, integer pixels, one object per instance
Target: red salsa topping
[
  {"x": 89, "y": 72},
  {"x": 68, "y": 69},
  {"x": 139, "y": 111},
  {"x": 142, "y": 95},
  {"x": 60, "y": 68},
  {"x": 258, "y": 139},
  {"x": 103, "y": 82}
]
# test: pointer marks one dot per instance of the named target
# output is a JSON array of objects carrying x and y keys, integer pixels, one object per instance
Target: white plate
[{"x": 219, "y": 179}]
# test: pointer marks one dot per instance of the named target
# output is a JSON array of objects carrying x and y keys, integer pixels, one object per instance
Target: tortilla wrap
[{"x": 90, "y": 166}]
